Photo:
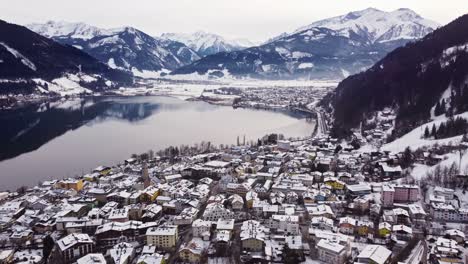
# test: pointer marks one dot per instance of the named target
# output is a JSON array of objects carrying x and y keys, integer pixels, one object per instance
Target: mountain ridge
[
  {"x": 125, "y": 48},
  {"x": 26, "y": 55},
  {"x": 208, "y": 43},
  {"x": 318, "y": 52},
  {"x": 410, "y": 79}
]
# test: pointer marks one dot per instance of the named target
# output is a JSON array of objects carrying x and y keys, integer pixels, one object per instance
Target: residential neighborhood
[{"x": 276, "y": 201}]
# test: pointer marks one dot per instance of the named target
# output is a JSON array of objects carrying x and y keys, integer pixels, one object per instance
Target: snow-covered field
[
  {"x": 190, "y": 88},
  {"x": 415, "y": 140}
]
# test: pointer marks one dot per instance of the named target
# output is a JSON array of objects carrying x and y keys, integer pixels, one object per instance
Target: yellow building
[
  {"x": 364, "y": 228},
  {"x": 334, "y": 183},
  {"x": 103, "y": 170},
  {"x": 150, "y": 194},
  {"x": 164, "y": 237},
  {"x": 385, "y": 229},
  {"x": 75, "y": 184}
]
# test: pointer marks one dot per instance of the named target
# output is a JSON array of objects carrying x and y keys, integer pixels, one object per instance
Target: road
[
  {"x": 419, "y": 254},
  {"x": 322, "y": 127}
]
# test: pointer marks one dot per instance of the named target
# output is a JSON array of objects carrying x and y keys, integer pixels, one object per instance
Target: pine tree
[
  {"x": 443, "y": 107},
  {"x": 426, "y": 132},
  {"x": 434, "y": 131},
  {"x": 437, "y": 111}
]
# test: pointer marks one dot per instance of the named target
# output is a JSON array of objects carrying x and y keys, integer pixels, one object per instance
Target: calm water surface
[{"x": 66, "y": 138}]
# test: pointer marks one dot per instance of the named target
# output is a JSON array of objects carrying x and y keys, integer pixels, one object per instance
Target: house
[
  {"x": 321, "y": 222},
  {"x": 287, "y": 224},
  {"x": 75, "y": 184},
  {"x": 215, "y": 211},
  {"x": 446, "y": 251},
  {"x": 390, "y": 171},
  {"x": 385, "y": 229},
  {"x": 347, "y": 225},
  {"x": 331, "y": 252},
  {"x": 186, "y": 217},
  {"x": 92, "y": 258},
  {"x": 119, "y": 215},
  {"x": 111, "y": 233},
  {"x": 122, "y": 253},
  {"x": 153, "y": 258},
  {"x": 237, "y": 203},
  {"x": 164, "y": 237},
  {"x": 320, "y": 210},
  {"x": 456, "y": 235},
  {"x": 334, "y": 183},
  {"x": 75, "y": 246},
  {"x": 359, "y": 189},
  {"x": 102, "y": 170},
  {"x": 364, "y": 227},
  {"x": 253, "y": 236},
  {"x": 447, "y": 212},
  {"x": 250, "y": 197},
  {"x": 374, "y": 254},
  {"x": 225, "y": 225},
  {"x": 402, "y": 232},
  {"x": 201, "y": 228},
  {"x": 173, "y": 178},
  {"x": 447, "y": 193},
  {"x": 193, "y": 251},
  {"x": 149, "y": 194}
]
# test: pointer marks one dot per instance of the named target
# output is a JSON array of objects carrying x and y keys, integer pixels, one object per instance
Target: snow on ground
[
  {"x": 414, "y": 138},
  {"x": 420, "y": 171},
  {"x": 308, "y": 260},
  {"x": 192, "y": 89},
  {"x": 149, "y": 74},
  {"x": 445, "y": 96},
  {"x": 68, "y": 85},
  {"x": 219, "y": 261},
  {"x": 20, "y": 56}
]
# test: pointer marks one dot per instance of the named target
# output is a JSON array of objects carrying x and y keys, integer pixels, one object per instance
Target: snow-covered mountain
[
  {"x": 414, "y": 80},
  {"x": 30, "y": 62},
  {"x": 207, "y": 43},
  {"x": 379, "y": 26},
  {"x": 62, "y": 29},
  {"x": 124, "y": 48},
  {"x": 330, "y": 48}
]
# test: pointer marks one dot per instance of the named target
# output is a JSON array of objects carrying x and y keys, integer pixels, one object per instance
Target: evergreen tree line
[
  {"x": 458, "y": 102},
  {"x": 450, "y": 128}
]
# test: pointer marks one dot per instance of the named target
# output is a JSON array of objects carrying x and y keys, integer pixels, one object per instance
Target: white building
[
  {"x": 374, "y": 254},
  {"x": 331, "y": 252},
  {"x": 216, "y": 211}
]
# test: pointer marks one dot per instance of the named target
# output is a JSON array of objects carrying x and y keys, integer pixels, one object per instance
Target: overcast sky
[{"x": 252, "y": 19}]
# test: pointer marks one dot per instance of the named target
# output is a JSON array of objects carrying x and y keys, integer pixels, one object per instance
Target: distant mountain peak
[
  {"x": 378, "y": 25},
  {"x": 77, "y": 30},
  {"x": 330, "y": 48},
  {"x": 124, "y": 48},
  {"x": 205, "y": 43}
]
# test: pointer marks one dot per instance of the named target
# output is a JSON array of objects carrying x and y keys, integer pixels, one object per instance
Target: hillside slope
[
  {"x": 328, "y": 49},
  {"x": 411, "y": 79},
  {"x": 25, "y": 55},
  {"x": 124, "y": 48}
]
